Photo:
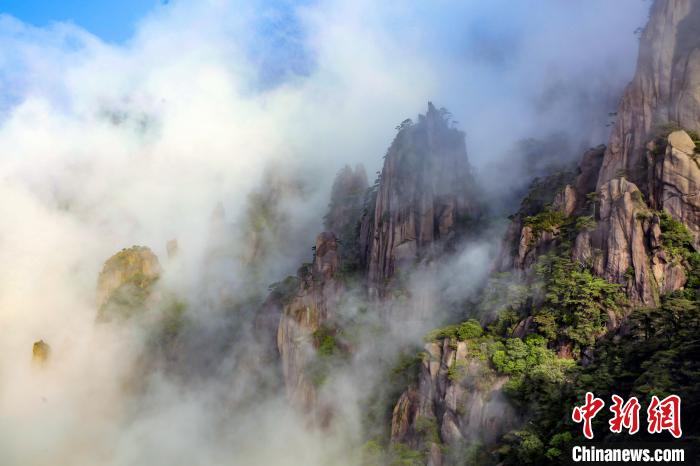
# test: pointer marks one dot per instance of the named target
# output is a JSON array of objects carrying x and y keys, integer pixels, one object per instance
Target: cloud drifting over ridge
[{"x": 103, "y": 146}]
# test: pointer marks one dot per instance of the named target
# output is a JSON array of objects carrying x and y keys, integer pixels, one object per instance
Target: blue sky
[
  {"x": 111, "y": 20},
  {"x": 277, "y": 47}
]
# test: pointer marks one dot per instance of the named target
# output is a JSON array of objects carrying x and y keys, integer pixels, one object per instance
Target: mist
[{"x": 216, "y": 102}]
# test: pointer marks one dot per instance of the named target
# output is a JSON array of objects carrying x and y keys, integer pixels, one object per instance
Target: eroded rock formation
[
  {"x": 454, "y": 401},
  {"x": 665, "y": 90},
  {"x": 125, "y": 282},
  {"x": 647, "y": 167},
  {"x": 426, "y": 191},
  {"x": 306, "y": 311}
]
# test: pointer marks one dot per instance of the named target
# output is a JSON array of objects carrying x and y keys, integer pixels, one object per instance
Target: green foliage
[
  {"x": 664, "y": 129},
  {"x": 284, "y": 290},
  {"x": 329, "y": 354},
  {"x": 653, "y": 357},
  {"x": 542, "y": 191},
  {"x": 637, "y": 196},
  {"x": 165, "y": 340},
  {"x": 660, "y": 134},
  {"x": 372, "y": 453},
  {"x": 675, "y": 237},
  {"x": 693, "y": 284},
  {"x": 345, "y": 210},
  {"x": 126, "y": 301},
  {"x": 622, "y": 173},
  {"x": 472, "y": 453},
  {"x": 696, "y": 139},
  {"x": 448, "y": 331},
  {"x": 427, "y": 428},
  {"x": 378, "y": 407},
  {"x": 173, "y": 319},
  {"x": 585, "y": 223},
  {"x": 504, "y": 295},
  {"x": 327, "y": 345},
  {"x": 529, "y": 445},
  {"x": 519, "y": 356},
  {"x": 402, "y": 455},
  {"x": 546, "y": 220},
  {"x": 575, "y": 302},
  {"x": 407, "y": 123},
  {"x": 406, "y": 368},
  {"x": 469, "y": 329},
  {"x": 678, "y": 242},
  {"x": 463, "y": 331},
  {"x": 557, "y": 444},
  {"x": 643, "y": 215}
]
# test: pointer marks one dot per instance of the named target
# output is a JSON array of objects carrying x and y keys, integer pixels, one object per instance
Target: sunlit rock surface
[{"x": 125, "y": 282}]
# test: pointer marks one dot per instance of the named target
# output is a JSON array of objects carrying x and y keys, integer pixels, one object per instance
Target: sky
[{"x": 113, "y": 21}]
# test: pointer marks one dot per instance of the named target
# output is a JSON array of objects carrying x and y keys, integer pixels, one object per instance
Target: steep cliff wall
[
  {"x": 303, "y": 316},
  {"x": 456, "y": 400},
  {"x": 664, "y": 91},
  {"x": 647, "y": 167},
  {"x": 426, "y": 191}
]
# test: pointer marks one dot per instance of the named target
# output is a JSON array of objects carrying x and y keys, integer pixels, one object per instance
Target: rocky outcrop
[
  {"x": 617, "y": 248},
  {"x": 522, "y": 244},
  {"x": 620, "y": 239},
  {"x": 426, "y": 191},
  {"x": 455, "y": 400},
  {"x": 125, "y": 282},
  {"x": 665, "y": 89},
  {"x": 565, "y": 201},
  {"x": 675, "y": 180},
  {"x": 625, "y": 245},
  {"x": 645, "y": 168},
  {"x": 304, "y": 314},
  {"x": 40, "y": 352}
]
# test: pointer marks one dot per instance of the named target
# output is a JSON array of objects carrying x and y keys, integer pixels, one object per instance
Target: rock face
[
  {"x": 617, "y": 248},
  {"x": 305, "y": 313},
  {"x": 426, "y": 191},
  {"x": 452, "y": 402},
  {"x": 522, "y": 244},
  {"x": 646, "y": 167},
  {"x": 665, "y": 89},
  {"x": 412, "y": 213},
  {"x": 125, "y": 281},
  {"x": 675, "y": 181}
]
